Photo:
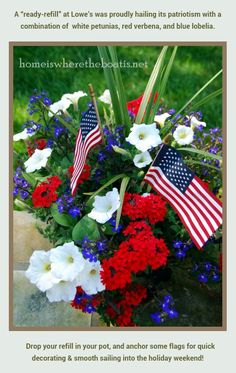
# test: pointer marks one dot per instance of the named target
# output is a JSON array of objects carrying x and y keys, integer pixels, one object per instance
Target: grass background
[{"x": 193, "y": 67}]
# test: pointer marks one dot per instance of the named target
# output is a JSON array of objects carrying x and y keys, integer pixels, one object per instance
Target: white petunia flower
[
  {"x": 144, "y": 136},
  {"x": 161, "y": 118},
  {"x": 74, "y": 98},
  {"x": 194, "y": 122},
  {"x": 183, "y": 135},
  {"x": 39, "y": 271},
  {"x": 142, "y": 160},
  {"x": 64, "y": 290},
  {"x": 59, "y": 106},
  {"x": 67, "y": 261},
  {"x": 106, "y": 97},
  {"x": 89, "y": 279},
  {"x": 37, "y": 160},
  {"x": 22, "y": 135},
  {"x": 104, "y": 207}
]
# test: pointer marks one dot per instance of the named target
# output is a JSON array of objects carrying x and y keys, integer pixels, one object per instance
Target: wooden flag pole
[{"x": 91, "y": 91}]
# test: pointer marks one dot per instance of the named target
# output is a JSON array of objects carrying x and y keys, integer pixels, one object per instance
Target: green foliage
[
  {"x": 201, "y": 153},
  {"x": 111, "y": 181},
  {"x": 123, "y": 187},
  {"x": 86, "y": 227},
  {"x": 151, "y": 89},
  {"x": 62, "y": 219}
]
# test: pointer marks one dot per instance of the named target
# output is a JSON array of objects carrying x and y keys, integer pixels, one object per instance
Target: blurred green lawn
[{"x": 193, "y": 67}]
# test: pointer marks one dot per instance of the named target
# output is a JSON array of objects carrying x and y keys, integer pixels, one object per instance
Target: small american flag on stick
[
  {"x": 198, "y": 208},
  {"x": 88, "y": 137}
]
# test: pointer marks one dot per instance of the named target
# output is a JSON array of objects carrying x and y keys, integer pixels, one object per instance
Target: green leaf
[
  {"x": 121, "y": 151},
  {"x": 109, "y": 76},
  {"x": 120, "y": 89},
  {"x": 30, "y": 178},
  {"x": 168, "y": 126},
  {"x": 107, "y": 229},
  {"x": 201, "y": 152},
  {"x": 123, "y": 186},
  {"x": 162, "y": 87},
  {"x": 65, "y": 162},
  {"x": 62, "y": 219},
  {"x": 21, "y": 206},
  {"x": 85, "y": 227},
  {"x": 150, "y": 88},
  {"x": 198, "y": 92},
  {"x": 111, "y": 181},
  {"x": 166, "y": 129},
  {"x": 190, "y": 161},
  {"x": 206, "y": 99},
  {"x": 42, "y": 178}
]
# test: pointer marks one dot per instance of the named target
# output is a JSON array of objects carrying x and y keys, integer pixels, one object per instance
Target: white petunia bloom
[
  {"x": 144, "y": 136},
  {"x": 183, "y": 135},
  {"x": 64, "y": 290},
  {"x": 194, "y": 122},
  {"x": 161, "y": 118},
  {"x": 59, "y": 106},
  {"x": 106, "y": 97},
  {"x": 74, "y": 98},
  {"x": 37, "y": 160},
  {"x": 39, "y": 271},
  {"x": 22, "y": 135},
  {"x": 104, "y": 207},
  {"x": 67, "y": 261},
  {"x": 142, "y": 160},
  {"x": 89, "y": 279}
]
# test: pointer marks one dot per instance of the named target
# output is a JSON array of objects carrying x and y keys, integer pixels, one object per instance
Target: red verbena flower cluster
[
  {"x": 151, "y": 207},
  {"x": 129, "y": 298},
  {"x": 44, "y": 194},
  {"x": 85, "y": 174},
  {"x": 37, "y": 144},
  {"x": 140, "y": 250}
]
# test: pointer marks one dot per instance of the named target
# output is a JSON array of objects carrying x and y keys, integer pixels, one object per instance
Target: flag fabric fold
[
  {"x": 198, "y": 208},
  {"x": 89, "y": 135}
]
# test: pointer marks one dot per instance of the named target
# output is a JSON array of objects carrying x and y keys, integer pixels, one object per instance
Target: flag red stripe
[
  {"x": 96, "y": 136},
  {"x": 198, "y": 208},
  {"x": 197, "y": 194},
  {"x": 203, "y": 229},
  {"x": 78, "y": 173},
  {"x": 190, "y": 226},
  {"x": 206, "y": 201},
  {"x": 201, "y": 221},
  {"x": 151, "y": 179},
  {"x": 78, "y": 163},
  {"x": 204, "y": 210},
  {"x": 78, "y": 152},
  {"x": 81, "y": 151},
  {"x": 84, "y": 149},
  {"x": 208, "y": 194}
]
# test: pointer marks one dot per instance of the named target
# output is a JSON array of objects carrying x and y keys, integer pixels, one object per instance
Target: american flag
[
  {"x": 89, "y": 136},
  {"x": 198, "y": 208}
]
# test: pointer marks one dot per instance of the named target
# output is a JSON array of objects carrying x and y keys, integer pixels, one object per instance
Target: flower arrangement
[{"x": 118, "y": 246}]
